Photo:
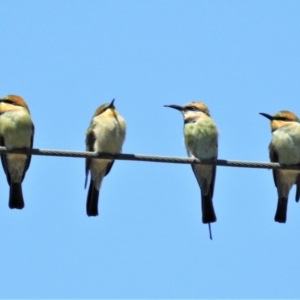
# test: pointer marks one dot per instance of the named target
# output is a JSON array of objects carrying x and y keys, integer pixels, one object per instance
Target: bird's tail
[
  {"x": 92, "y": 201},
  {"x": 297, "y": 189},
  {"x": 280, "y": 215},
  {"x": 208, "y": 212},
  {"x": 16, "y": 196}
]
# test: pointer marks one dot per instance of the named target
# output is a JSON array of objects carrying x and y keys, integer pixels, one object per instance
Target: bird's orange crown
[
  {"x": 105, "y": 107},
  {"x": 15, "y": 100},
  {"x": 198, "y": 105},
  {"x": 282, "y": 118}
]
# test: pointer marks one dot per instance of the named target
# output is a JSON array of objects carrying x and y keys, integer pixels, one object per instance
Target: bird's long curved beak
[
  {"x": 178, "y": 107},
  {"x": 267, "y": 116}
]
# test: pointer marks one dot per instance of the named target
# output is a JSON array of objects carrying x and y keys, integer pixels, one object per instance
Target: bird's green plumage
[
  {"x": 285, "y": 149},
  {"x": 16, "y": 132},
  {"x": 106, "y": 133}
]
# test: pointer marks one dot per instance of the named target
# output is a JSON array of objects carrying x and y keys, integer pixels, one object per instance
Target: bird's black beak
[
  {"x": 178, "y": 107},
  {"x": 267, "y": 116},
  {"x": 111, "y": 105}
]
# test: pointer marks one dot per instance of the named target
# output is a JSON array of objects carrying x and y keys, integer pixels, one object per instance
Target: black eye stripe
[
  {"x": 9, "y": 102},
  {"x": 282, "y": 119},
  {"x": 192, "y": 107}
]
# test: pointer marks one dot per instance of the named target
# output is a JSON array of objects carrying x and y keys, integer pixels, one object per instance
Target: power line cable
[{"x": 152, "y": 158}]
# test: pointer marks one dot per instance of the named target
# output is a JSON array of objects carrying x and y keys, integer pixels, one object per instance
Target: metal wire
[{"x": 152, "y": 158}]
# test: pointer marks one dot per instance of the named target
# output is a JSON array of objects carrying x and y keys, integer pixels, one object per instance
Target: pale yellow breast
[{"x": 109, "y": 133}]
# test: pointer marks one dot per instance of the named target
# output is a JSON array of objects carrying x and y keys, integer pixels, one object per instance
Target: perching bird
[
  {"x": 106, "y": 133},
  {"x": 201, "y": 141},
  {"x": 16, "y": 132},
  {"x": 284, "y": 149}
]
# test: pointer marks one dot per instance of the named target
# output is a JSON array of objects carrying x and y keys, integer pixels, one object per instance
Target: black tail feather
[
  {"x": 16, "y": 196},
  {"x": 208, "y": 212},
  {"x": 92, "y": 201},
  {"x": 280, "y": 215}
]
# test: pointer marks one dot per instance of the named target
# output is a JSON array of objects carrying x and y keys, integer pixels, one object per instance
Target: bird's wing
[
  {"x": 4, "y": 161},
  {"x": 29, "y": 156},
  {"x": 109, "y": 166},
  {"x": 89, "y": 141},
  {"x": 212, "y": 184},
  {"x": 273, "y": 158}
]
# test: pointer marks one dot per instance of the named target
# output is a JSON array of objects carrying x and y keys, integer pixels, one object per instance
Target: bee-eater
[
  {"x": 106, "y": 133},
  {"x": 16, "y": 132},
  {"x": 284, "y": 149},
  {"x": 201, "y": 141}
]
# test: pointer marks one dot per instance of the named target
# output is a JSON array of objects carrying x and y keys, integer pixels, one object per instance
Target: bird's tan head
[
  {"x": 14, "y": 100},
  {"x": 107, "y": 109},
  {"x": 197, "y": 106},
  {"x": 191, "y": 107},
  {"x": 281, "y": 118}
]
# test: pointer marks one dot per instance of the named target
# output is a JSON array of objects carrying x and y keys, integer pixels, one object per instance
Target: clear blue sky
[{"x": 66, "y": 58}]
